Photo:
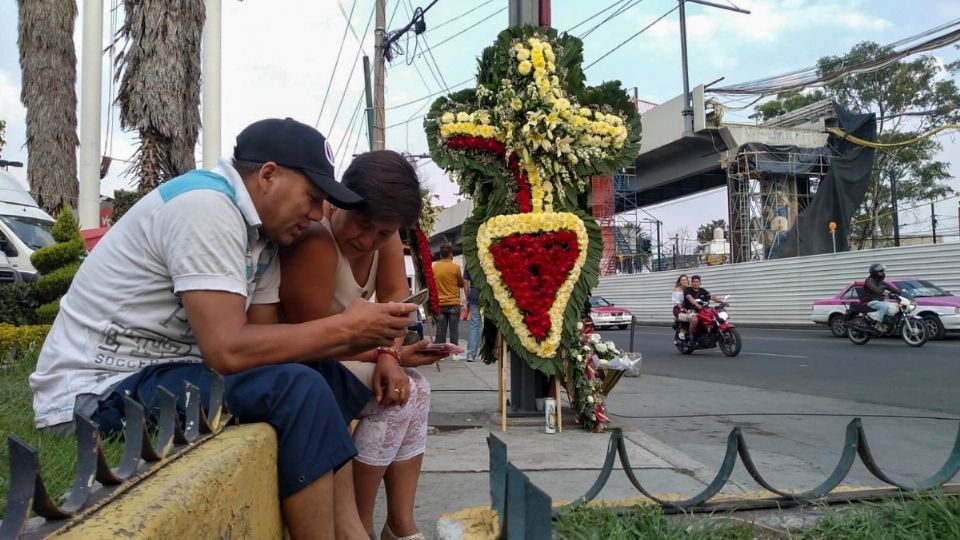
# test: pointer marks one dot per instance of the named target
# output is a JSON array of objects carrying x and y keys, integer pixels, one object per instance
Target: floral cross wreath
[{"x": 524, "y": 144}]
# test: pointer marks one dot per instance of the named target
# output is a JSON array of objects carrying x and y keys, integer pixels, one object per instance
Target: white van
[{"x": 24, "y": 226}]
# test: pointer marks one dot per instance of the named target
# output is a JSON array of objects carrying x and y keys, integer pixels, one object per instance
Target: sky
[{"x": 280, "y": 58}]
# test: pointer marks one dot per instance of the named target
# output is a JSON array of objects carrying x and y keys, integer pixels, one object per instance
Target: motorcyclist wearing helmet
[{"x": 875, "y": 293}]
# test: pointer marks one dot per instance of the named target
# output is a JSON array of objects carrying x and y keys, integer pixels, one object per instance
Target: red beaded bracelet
[{"x": 390, "y": 351}]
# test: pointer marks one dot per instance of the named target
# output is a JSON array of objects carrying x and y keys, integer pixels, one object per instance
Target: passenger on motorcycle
[
  {"x": 875, "y": 293},
  {"x": 678, "y": 297},
  {"x": 695, "y": 297}
]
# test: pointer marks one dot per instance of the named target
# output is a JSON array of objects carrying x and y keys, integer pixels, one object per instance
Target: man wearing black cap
[{"x": 187, "y": 282}]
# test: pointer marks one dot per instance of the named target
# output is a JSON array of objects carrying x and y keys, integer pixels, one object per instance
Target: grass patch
[
  {"x": 932, "y": 516},
  {"x": 643, "y": 521},
  {"x": 58, "y": 455}
]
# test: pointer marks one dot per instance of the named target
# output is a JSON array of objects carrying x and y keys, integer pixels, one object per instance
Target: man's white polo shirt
[{"x": 123, "y": 311}]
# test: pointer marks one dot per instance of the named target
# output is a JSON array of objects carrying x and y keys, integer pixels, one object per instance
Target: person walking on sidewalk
[
  {"x": 473, "y": 308},
  {"x": 449, "y": 283}
]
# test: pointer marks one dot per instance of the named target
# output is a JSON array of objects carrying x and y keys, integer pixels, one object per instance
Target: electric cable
[
  {"x": 595, "y": 15},
  {"x": 350, "y": 21},
  {"x": 356, "y": 60},
  {"x": 458, "y": 34},
  {"x": 460, "y": 16},
  {"x": 326, "y": 94},
  {"x": 849, "y": 65},
  {"x": 609, "y": 18},
  {"x": 428, "y": 96},
  {"x": 624, "y": 42},
  {"x": 350, "y": 127},
  {"x": 873, "y": 144}
]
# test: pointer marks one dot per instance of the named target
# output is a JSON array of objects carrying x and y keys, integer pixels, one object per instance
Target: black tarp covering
[
  {"x": 839, "y": 194},
  {"x": 785, "y": 159}
]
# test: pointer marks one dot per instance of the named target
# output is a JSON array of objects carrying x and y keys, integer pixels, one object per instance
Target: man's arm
[{"x": 230, "y": 343}]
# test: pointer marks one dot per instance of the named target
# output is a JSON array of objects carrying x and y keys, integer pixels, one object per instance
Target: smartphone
[
  {"x": 445, "y": 349},
  {"x": 420, "y": 297}
]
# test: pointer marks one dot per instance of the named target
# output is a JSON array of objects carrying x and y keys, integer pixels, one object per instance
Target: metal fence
[{"x": 781, "y": 291}]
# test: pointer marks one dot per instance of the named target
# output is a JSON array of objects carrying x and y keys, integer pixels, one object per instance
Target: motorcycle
[
  {"x": 861, "y": 328},
  {"x": 714, "y": 330}
]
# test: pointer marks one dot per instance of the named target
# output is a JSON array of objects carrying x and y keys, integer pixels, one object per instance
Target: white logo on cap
[{"x": 329, "y": 151}]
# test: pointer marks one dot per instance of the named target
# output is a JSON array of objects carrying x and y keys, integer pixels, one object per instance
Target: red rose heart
[{"x": 533, "y": 267}]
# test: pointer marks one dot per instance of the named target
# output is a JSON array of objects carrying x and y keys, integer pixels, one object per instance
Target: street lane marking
[{"x": 774, "y": 354}]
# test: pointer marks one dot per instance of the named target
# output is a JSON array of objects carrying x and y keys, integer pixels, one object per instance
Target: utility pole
[
  {"x": 659, "y": 256},
  {"x": 211, "y": 84},
  {"x": 676, "y": 248},
  {"x": 895, "y": 214},
  {"x": 379, "y": 121},
  {"x": 687, "y": 98},
  {"x": 933, "y": 219},
  {"x": 368, "y": 92},
  {"x": 91, "y": 73}
]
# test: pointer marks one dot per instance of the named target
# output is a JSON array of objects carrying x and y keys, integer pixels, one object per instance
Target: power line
[
  {"x": 821, "y": 74},
  {"x": 461, "y": 15},
  {"x": 356, "y": 60},
  {"x": 460, "y": 33},
  {"x": 428, "y": 96},
  {"x": 416, "y": 23},
  {"x": 336, "y": 62},
  {"x": 349, "y": 21},
  {"x": 407, "y": 121},
  {"x": 588, "y": 19},
  {"x": 353, "y": 121},
  {"x": 609, "y": 18},
  {"x": 624, "y": 42}
]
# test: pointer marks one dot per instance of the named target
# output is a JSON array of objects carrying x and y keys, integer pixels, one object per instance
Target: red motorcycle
[{"x": 714, "y": 329}]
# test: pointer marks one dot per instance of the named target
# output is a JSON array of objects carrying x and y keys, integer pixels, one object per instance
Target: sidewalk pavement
[{"x": 455, "y": 473}]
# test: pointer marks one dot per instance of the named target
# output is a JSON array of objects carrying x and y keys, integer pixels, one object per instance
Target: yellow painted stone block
[{"x": 224, "y": 488}]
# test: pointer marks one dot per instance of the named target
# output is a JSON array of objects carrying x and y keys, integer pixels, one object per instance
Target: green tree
[
  {"x": 909, "y": 98},
  {"x": 159, "y": 96},
  {"x": 705, "y": 231},
  {"x": 785, "y": 102},
  {"x": 3, "y": 128},
  {"x": 48, "y": 63},
  {"x": 57, "y": 264}
]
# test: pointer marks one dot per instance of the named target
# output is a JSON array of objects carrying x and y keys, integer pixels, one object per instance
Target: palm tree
[
  {"x": 49, "y": 66},
  {"x": 159, "y": 92}
]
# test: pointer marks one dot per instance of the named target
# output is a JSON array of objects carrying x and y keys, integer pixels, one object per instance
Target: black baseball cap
[{"x": 297, "y": 146}]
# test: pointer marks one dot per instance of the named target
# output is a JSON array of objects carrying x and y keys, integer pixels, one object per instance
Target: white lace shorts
[{"x": 394, "y": 433}]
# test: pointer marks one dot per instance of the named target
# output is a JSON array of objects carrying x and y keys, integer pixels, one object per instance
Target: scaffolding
[
  {"x": 616, "y": 209},
  {"x": 766, "y": 192}
]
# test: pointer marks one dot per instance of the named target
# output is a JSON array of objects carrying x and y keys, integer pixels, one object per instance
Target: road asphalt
[{"x": 791, "y": 392}]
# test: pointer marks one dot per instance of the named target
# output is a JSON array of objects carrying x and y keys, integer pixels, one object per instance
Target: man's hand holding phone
[{"x": 374, "y": 325}]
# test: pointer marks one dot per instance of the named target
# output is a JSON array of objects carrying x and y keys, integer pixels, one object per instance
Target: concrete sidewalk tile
[{"x": 530, "y": 449}]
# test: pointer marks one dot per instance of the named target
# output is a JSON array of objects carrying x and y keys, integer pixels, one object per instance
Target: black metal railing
[
  {"x": 521, "y": 505},
  {"x": 28, "y": 493}
]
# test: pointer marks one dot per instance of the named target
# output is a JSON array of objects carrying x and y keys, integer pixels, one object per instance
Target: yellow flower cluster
[
  {"x": 476, "y": 124},
  {"x": 541, "y": 60},
  {"x": 502, "y": 226}
]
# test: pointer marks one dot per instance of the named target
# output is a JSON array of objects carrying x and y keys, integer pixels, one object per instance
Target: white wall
[{"x": 782, "y": 291}]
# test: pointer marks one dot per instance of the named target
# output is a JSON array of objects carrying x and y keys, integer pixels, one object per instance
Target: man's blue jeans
[
  {"x": 449, "y": 316},
  {"x": 880, "y": 309},
  {"x": 473, "y": 340}
]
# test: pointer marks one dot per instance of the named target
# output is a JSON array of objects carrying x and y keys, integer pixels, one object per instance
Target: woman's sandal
[{"x": 387, "y": 534}]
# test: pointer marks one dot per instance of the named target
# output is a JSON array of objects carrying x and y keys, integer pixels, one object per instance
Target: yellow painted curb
[{"x": 224, "y": 488}]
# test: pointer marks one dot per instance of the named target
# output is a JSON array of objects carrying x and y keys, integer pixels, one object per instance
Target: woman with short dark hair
[{"x": 354, "y": 256}]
